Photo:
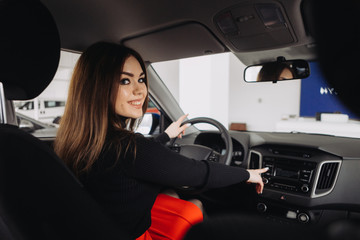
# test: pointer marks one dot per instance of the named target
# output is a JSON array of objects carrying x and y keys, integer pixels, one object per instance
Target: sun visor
[
  {"x": 181, "y": 41},
  {"x": 255, "y": 26},
  {"x": 29, "y": 48}
]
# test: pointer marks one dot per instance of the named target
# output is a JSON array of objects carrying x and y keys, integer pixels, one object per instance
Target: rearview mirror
[{"x": 277, "y": 71}]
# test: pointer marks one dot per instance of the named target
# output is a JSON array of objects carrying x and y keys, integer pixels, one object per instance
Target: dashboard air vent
[
  {"x": 327, "y": 175},
  {"x": 254, "y": 160}
]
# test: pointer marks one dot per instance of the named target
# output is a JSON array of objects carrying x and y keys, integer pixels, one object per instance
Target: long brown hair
[{"x": 90, "y": 114}]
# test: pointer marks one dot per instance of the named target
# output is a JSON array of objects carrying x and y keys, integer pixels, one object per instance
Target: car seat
[{"x": 39, "y": 197}]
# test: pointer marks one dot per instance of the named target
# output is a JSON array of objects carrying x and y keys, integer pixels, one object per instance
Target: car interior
[{"x": 311, "y": 186}]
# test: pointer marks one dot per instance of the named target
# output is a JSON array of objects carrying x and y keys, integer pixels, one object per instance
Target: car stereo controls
[{"x": 289, "y": 174}]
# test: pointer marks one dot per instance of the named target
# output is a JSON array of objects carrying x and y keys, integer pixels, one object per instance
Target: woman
[
  {"x": 124, "y": 171},
  {"x": 275, "y": 71}
]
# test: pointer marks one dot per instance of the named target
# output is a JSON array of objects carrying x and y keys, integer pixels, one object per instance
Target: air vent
[
  {"x": 254, "y": 162},
  {"x": 327, "y": 177}
]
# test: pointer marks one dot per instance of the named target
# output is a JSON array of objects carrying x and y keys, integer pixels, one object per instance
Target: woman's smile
[{"x": 136, "y": 103}]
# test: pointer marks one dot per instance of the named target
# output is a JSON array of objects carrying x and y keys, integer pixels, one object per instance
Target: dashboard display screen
[{"x": 287, "y": 173}]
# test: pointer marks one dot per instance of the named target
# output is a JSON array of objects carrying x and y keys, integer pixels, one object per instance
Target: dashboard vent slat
[
  {"x": 254, "y": 160},
  {"x": 327, "y": 175}
]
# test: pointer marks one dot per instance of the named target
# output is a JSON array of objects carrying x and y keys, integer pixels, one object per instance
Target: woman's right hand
[
  {"x": 255, "y": 177},
  {"x": 175, "y": 129}
]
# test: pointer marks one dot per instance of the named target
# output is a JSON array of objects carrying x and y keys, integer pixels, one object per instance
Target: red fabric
[
  {"x": 171, "y": 218},
  {"x": 145, "y": 236}
]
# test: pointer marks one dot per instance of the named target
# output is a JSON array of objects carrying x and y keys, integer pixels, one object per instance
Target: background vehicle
[
  {"x": 312, "y": 177},
  {"x": 45, "y": 110},
  {"x": 36, "y": 128}
]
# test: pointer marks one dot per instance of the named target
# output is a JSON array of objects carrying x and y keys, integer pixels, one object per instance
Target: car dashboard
[{"x": 311, "y": 178}]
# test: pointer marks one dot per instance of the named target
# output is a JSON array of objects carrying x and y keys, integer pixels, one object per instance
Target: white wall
[
  {"x": 220, "y": 97},
  {"x": 203, "y": 91},
  {"x": 218, "y": 80},
  {"x": 261, "y": 105},
  {"x": 195, "y": 86},
  {"x": 58, "y": 88}
]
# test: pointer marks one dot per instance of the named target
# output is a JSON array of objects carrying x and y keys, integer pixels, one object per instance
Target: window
[
  {"x": 213, "y": 86},
  {"x": 27, "y": 106},
  {"x": 49, "y": 106},
  {"x": 52, "y": 104}
]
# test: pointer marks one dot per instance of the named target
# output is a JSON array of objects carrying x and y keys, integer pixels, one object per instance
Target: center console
[
  {"x": 290, "y": 175},
  {"x": 296, "y": 179}
]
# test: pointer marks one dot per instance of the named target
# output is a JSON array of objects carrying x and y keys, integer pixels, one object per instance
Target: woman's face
[
  {"x": 286, "y": 74},
  {"x": 132, "y": 90}
]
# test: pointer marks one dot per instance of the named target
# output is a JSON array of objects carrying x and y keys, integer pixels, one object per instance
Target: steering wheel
[{"x": 199, "y": 152}]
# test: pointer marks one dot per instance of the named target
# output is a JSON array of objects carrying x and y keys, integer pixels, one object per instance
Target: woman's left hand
[{"x": 174, "y": 130}]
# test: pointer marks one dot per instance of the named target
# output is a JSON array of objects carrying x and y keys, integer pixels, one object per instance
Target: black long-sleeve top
[{"x": 127, "y": 187}]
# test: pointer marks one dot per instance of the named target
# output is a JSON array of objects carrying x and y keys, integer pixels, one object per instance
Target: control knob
[
  {"x": 265, "y": 180},
  {"x": 261, "y": 207},
  {"x": 305, "y": 188},
  {"x": 303, "y": 218}
]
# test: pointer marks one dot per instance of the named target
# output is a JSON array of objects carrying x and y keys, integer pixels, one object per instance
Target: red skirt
[{"x": 171, "y": 218}]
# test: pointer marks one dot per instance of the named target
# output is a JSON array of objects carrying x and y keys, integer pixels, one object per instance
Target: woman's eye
[
  {"x": 124, "y": 81},
  {"x": 142, "y": 80}
]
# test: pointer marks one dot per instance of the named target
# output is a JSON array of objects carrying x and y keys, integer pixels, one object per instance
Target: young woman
[
  {"x": 275, "y": 71},
  {"x": 126, "y": 172}
]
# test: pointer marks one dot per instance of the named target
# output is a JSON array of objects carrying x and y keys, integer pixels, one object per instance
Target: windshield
[{"x": 213, "y": 86}]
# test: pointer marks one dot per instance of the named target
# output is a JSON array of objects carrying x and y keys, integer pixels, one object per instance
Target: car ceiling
[{"x": 164, "y": 30}]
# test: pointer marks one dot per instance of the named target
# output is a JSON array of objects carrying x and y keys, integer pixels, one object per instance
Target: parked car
[
  {"x": 45, "y": 110},
  {"x": 313, "y": 161},
  {"x": 38, "y": 129}
]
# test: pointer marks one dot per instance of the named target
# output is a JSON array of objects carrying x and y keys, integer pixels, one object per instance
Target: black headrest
[
  {"x": 29, "y": 48},
  {"x": 336, "y": 28}
]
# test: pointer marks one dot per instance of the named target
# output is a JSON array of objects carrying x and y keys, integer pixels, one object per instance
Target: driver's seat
[{"x": 39, "y": 197}]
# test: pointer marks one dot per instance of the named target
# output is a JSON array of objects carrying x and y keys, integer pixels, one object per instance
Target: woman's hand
[
  {"x": 174, "y": 130},
  {"x": 255, "y": 177}
]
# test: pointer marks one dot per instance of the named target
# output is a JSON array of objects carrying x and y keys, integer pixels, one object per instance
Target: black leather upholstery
[
  {"x": 29, "y": 48},
  {"x": 254, "y": 227},
  {"x": 39, "y": 197},
  {"x": 338, "y": 47}
]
